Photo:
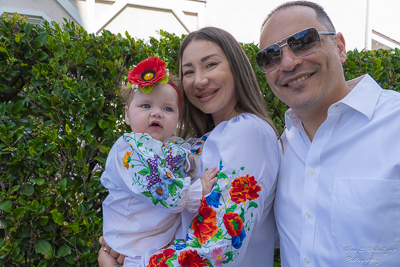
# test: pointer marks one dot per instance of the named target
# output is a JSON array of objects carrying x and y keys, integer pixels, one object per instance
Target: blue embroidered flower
[
  {"x": 167, "y": 177},
  {"x": 213, "y": 199},
  {"x": 238, "y": 240},
  {"x": 180, "y": 244},
  {"x": 160, "y": 191}
]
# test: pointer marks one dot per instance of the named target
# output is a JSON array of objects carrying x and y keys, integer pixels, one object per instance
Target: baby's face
[{"x": 155, "y": 113}]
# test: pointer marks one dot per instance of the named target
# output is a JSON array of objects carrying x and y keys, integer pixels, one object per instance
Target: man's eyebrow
[{"x": 202, "y": 60}]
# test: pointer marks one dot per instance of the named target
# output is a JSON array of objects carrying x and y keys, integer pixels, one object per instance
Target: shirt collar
[{"x": 363, "y": 96}]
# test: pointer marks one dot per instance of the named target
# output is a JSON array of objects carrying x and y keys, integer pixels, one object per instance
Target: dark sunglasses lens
[
  {"x": 305, "y": 42},
  {"x": 269, "y": 58}
]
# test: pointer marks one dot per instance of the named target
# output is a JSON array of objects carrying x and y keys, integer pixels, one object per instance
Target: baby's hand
[{"x": 208, "y": 180}]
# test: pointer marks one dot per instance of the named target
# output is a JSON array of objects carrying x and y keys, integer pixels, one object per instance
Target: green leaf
[
  {"x": 222, "y": 175},
  {"x": 63, "y": 251},
  {"x": 253, "y": 204},
  {"x": 6, "y": 205},
  {"x": 26, "y": 189},
  {"x": 57, "y": 217},
  {"x": 65, "y": 37},
  {"x": 144, "y": 172},
  {"x": 231, "y": 208},
  {"x": 44, "y": 247},
  {"x": 17, "y": 107}
]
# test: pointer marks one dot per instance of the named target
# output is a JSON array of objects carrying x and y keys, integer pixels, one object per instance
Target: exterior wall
[{"x": 144, "y": 18}]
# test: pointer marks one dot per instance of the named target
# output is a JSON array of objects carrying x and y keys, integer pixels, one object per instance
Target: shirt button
[
  {"x": 308, "y": 214},
  {"x": 312, "y": 172},
  {"x": 307, "y": 260}
]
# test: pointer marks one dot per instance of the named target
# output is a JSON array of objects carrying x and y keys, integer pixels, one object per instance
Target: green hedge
[{"x": 59, "y": 117}]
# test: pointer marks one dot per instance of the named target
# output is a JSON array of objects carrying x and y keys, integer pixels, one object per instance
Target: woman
[{"x": 225, "y": 111}]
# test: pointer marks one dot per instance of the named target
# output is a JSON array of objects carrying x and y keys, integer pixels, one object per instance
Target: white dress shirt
[{"x": 338, "y": 197}]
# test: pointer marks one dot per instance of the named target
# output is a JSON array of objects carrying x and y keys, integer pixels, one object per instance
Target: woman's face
[{"x": 208, "y": 80}]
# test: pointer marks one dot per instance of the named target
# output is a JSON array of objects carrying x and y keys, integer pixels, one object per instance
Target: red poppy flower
[
  {"x": 205, "y": 223},
  {"x": 244, "y": 188},
  {"x": 233, "y": 223},
  {"x": 147, "y": 72},
  {"x": 192, "y": 259},
  {"x": 159, "y": 260}
]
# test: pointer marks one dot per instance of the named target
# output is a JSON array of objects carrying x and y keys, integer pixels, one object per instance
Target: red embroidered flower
[
  {"x": 147, "y": 72},
  {"x": 244, "y": 188},
  {"x": 233, "y": 223},
  {"x": 205, "y": 223},
  {"x": 159, "y": 260},
  {"x": 190, "y": 258}
]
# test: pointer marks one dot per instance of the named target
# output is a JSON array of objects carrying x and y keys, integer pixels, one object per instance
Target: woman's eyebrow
[{"x": 202, "y": 60}]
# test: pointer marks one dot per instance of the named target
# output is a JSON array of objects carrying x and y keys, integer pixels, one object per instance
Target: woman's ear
[{"x": 127, "y": 116}]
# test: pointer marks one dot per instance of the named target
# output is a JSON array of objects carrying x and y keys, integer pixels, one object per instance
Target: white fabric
[
  {"x": 338, "y": 198},
  {"x": 249, "y": 142},
  {"x": 134, "y": 221}
]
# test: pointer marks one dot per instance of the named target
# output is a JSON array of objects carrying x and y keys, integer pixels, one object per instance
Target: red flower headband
[{"x": 148, "y": 72}]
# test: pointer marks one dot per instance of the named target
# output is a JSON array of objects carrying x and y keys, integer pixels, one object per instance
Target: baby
[{"x": 147, "y": 172}]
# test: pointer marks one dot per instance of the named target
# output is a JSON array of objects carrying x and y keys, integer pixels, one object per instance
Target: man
[{"x": 338, "y": 196}]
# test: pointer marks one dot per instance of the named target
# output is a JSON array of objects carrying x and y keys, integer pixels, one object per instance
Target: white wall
[{"x": 243, "y": 18}]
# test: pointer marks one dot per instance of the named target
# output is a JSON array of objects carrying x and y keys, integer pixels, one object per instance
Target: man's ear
[{"x": 341, "y": 46}]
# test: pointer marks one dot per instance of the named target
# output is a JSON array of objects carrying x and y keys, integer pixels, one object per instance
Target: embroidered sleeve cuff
[{"x": 192, "y": 198}]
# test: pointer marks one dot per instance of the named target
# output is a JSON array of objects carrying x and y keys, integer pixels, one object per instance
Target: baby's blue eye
[{"x": 168, "y": 109}]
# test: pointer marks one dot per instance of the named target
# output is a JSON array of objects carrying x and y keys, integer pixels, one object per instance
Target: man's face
[{"x": 311, "y": 83}]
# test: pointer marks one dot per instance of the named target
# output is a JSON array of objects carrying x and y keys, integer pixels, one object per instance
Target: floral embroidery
[
  {"x": 160, "y": 260},
  {"x": 230, "y": 222},
  {"x": 198, "y": 146},
  {"x": 205, "y": 223},
  {"x": 213, "y": 199},
  {"x": 127, "y": 159},
  {"x": 244, "y": 188},
  {"x": 233, "y": 223},
  {"x": 158, "y": 175},
  {"x": 192, "y": 258},
  {"x": 218, "y": 256}
]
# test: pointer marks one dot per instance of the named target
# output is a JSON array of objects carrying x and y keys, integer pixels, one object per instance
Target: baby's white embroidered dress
[{"x": 148, "y": 188}]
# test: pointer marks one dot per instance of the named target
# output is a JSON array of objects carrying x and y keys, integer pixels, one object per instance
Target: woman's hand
[{"x": 107, "y": 256}]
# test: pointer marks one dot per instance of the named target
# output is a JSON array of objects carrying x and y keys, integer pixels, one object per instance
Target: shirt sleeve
[
  {"x": 246, "y": 151},
  {"x": 153, "y": 172}
]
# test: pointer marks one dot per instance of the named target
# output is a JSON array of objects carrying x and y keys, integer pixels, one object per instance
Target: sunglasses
[{"x": 302, "y": 43}]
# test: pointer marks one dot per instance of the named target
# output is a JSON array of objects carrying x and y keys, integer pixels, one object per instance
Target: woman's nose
[{"x": 201, "y": 80}]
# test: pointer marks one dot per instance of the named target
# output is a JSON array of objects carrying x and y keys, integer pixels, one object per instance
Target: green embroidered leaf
[
  {"x": 178, "y": 183},
  {"x": 155, "y": 201},
  {"x": 194, "y": 244},
  {"x": 222, "y": 175},
  {"x": 229, "y": 255},
  {"x": 147, "y": 194},
  {"x": 241, "y": 168},
  {"x": 234, "y": 172},
  {"x": 231, "y": 208},
  {"x": 253, "y": 204},
  {"x": 170, "y": 260},
  {"x": 172, "y": 189},
  {"x": 242, "y": 213},
  {"x": 139, "y": 144},
  {"x": 144, "y": 172},
  {"x": 163, "y": 203}
]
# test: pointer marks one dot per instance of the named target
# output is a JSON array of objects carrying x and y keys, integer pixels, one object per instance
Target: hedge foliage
[{"x": 59, "y": 117}]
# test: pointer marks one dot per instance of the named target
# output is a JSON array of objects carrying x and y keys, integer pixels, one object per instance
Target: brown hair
[
  {"x": 250, "y": 99},
  {"x": 322, "y": 16}
]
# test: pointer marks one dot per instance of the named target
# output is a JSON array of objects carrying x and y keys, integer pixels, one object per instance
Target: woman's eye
[
  {"x": 211, "y": 64},
  {"x": 145, "y": 106},
  {"x": 187, "y": 72}
]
